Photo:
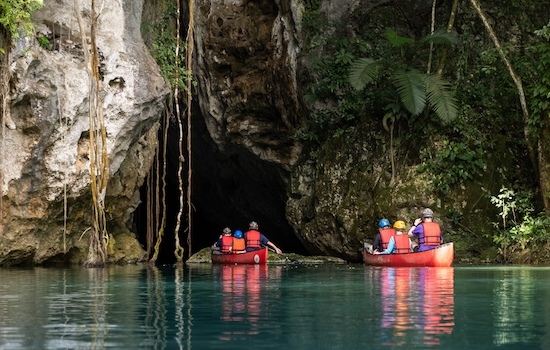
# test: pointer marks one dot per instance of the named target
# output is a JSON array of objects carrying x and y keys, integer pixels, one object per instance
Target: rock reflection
[{"x": 416, "y": 299}]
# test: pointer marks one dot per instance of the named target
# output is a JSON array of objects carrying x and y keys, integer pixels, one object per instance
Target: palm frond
[
  {"x": 441, "y": 98},
  {"x": 363, "y": 71},
  {"x": 440, "y": 37},
  {"x": 411, "y": 88},
  {"x": 397, "y": 40}
]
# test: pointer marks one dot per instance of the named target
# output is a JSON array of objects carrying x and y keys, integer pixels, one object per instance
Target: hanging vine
[
  {"x": 178, "y": 251},
  {"x": 4, "y": 87},
  {"x": 167, "y": 50},
  {"x": 99, "y": 161},
  {"x": 190, "y": 46},
  {"x": 160, "y": 187}
]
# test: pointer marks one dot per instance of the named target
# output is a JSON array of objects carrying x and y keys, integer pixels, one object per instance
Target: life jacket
[
  {"x": 227, "y": 243},
  {"x": 253, "y": 239},
  {"x": 402, "y": 243},
  {"x": 238, "y": 244},
  {"x": 385, "y": 235},
  {"x": 432, "y": 234}
]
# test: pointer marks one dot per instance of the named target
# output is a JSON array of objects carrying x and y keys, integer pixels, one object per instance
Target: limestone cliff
[{"x": 44, "y": 150}]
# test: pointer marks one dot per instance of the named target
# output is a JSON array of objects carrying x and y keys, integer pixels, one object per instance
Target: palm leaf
[
  {"x": 363, "y": 71},
  {"x": 411, "y": 88},
  {"x": 440, "y": 37},
  {"x": 397, "y": 40},
  {"x": 441, "y": 98}
]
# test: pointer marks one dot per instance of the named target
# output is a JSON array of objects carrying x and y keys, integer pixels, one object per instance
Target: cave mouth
[{"x": 229, "y": 189}]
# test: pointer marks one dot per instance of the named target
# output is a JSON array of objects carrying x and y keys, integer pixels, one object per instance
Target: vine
[{"x": 99, "y": 160}]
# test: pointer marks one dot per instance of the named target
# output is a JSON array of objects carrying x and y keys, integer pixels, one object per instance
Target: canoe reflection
[
  {"x": 417, "y": 299},
  {"x": 243, "y": 287}
]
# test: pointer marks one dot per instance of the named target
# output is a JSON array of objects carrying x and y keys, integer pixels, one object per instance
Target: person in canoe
[
  {"x": 224, "y": 244},
  {"x": 256, "y": 240},
  {"x": 239, "y": 243},
  {"x": 400, "y": 242},
  {"x": 428, "y": 232},
  {"x": 382, "y": 238}
]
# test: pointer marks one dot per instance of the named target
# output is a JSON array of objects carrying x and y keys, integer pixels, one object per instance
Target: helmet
[
  {"x": 427, "y": 213},
  {"x": 384, "y": 223},
  {"x": 226, "y": 231},
  {"x": 253, "y": 225},
  {"x": 399, "y": 224},
  {"x": 238, "y": 234}
]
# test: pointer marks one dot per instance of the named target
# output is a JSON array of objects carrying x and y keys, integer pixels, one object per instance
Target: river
[{"x": 328, "y": 306}]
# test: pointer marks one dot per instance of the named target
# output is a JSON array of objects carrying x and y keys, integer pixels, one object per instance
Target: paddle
[{"x": 294, "y": 261}]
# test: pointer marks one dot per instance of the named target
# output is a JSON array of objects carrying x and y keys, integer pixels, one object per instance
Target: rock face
[
  {"x": 250, "y": 101},
  {"x": 44, "y": 153},
  {"x": 247, "y": 71}
]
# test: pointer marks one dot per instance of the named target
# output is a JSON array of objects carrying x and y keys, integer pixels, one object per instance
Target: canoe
[
  {"x": 253, "y": 257},
  {"x": 441, "y": 256}
]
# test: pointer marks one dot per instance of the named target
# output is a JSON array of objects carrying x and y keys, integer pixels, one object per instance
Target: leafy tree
[
  {"x": 16, "y": 15},
  {"x": 415, "y": 90}
]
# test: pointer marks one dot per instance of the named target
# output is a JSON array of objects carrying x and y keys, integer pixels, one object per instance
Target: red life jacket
[
  {"x": 238, "y": 244},
  {"x": 253, "y": 239},
  {"x": 385, "y": 235},
  {"x": 402, "y": 243},
  {"x": 227, "y": 243},
  {"x": 432, "y": 233}
]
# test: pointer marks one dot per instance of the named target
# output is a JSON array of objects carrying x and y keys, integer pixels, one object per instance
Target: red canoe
[
  {"x": 253, "y": 257},
  {"x": 441, "y": 256}
]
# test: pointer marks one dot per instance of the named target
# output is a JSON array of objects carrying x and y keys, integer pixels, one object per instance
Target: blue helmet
[
  {"x": 384, "y": 223},
  {"x": 238, "y": 234}
]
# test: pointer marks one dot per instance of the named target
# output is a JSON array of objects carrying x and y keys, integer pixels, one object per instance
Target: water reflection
[
  {"x": 244, "y": 288},
  {"x": 416, "y": 302},
  {"x": 299, "y": 307}
]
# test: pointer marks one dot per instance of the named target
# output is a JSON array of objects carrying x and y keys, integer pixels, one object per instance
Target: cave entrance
[{"x": 229, "y": 188}]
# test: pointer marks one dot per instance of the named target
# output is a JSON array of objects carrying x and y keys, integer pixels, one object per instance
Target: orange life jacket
[
  {"x": 238, "y": 244},
  {"x": 385, "y": 235},
  {"x": 227, "y": 244},
  {"x": 432, "y": 233},
  {"x": 402, "y": 243},
  {"x": 253, "y": 239}
]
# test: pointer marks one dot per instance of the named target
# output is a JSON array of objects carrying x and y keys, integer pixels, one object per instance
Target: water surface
[{"x": 275, "y": 307}]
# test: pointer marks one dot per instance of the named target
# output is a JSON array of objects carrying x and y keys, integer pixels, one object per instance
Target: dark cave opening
[{"x": 229, "y": 188}]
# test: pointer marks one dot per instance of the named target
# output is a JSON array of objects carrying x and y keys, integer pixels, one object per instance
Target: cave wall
[
  {"x": 44, "y": 155},
  {"x": 246, "y": 57}
]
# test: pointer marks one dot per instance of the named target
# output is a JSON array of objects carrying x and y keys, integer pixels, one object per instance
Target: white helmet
[
  {"x": 427, "y": 213},
  {"x": 253, "y": 225}
]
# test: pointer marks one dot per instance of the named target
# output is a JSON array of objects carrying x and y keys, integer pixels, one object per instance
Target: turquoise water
[{"x": 275, "y": 307}]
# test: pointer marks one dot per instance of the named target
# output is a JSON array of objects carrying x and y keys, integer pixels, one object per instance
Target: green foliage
[
  {"x": 397, "y": 40},
  {"x": 44, "y": 42},
  {"x": 364, "y": 71},
  {"x": 15, "y": 15},
  {"x": 525, "y": 230},
  {"x": 411, "y": 88},
  {"x": 338, "y": 106},
  {"x": 540, "y": 88},
  {"x": 164, "y": 49},
  {"x": 452, "y": 163},
  {"x": 416, "y": 90}
]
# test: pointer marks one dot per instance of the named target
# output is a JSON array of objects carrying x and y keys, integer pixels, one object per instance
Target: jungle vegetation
[{"x": 471, "y": 76}]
